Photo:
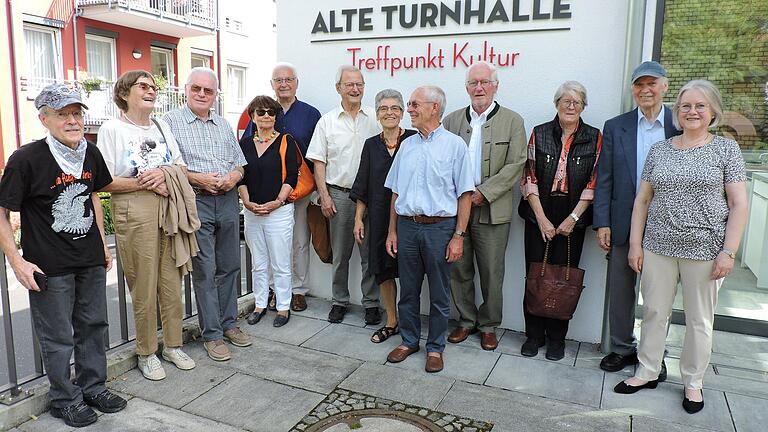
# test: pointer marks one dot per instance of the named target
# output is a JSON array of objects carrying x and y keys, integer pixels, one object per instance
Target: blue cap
[
  {"x": 649, "y": 68},
  {"x": 58, "y": 95}
]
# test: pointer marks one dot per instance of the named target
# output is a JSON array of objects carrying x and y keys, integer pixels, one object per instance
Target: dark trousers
[
  {"x": 217, "y": 264},
  {"x": 557, "y": 210},
  {"x": 421, "y": 251},
  {"x": 71, "y": 315}
]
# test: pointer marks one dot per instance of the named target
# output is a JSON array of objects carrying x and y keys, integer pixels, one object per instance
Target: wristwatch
[
  {"x": 575, "y": 217},
  {"x": 460, "y": 234},
  {"x": 731, "y": 254}
]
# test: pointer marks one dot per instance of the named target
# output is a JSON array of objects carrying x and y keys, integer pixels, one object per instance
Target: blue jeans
[
  {"x": 71, "y": 314},
  {"x": 217, "y": 264},
  {"x": 421, "y": 250}
]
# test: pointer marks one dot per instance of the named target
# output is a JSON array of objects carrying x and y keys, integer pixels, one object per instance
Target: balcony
[
  {"x": 101, "y": 107},
  {"x": 178, "y": 18}
]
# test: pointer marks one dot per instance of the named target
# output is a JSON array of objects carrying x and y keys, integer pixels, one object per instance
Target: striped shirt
[{"x": 207, "y": 146}]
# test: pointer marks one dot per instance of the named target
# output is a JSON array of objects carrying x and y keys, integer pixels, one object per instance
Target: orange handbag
[{"x": 306, "y": 181}]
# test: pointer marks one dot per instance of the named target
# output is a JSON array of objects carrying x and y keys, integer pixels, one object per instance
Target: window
[
  {"x": 162, "y": 63},
  {"x": 100, "y": 57},
  {"x": 43, "y": 55},
  {"x": 198, "y": 60},
  {"x": 236, "y": 87}
]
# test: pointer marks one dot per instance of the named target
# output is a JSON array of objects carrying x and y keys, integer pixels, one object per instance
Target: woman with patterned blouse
[{"x": 687, "y": 221}]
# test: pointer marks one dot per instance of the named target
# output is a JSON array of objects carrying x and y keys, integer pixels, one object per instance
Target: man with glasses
[
  {"x": 428, "y": 221},
  {"x": 335, "y": 148},
  {"x": 215, "y": 166},
  {"x": 497, "y": 135},
  {"x": 298, "y": 119},
  {"x": 53, "y": 183},
  {"x": 627, "y": 139}
]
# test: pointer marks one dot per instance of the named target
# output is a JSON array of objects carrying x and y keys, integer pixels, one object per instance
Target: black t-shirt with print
[{"x": 58, "y": 227}]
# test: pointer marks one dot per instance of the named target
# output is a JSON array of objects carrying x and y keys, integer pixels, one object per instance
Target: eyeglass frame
[
  {"x": 483, "y": 83},
  {"x": 206, "y": 91},
  {"x": 289, "y": 80},
  {"x": 146, "y": 86}
]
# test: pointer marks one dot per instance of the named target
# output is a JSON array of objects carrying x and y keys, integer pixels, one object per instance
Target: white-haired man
[
  {"x": 497, "y": 152},
  {"x": 214, "y": 167},
  {"x": 431, "y": 183},
  {"x": 53, "y": 183},
  {"x": 335, "y": 148}
]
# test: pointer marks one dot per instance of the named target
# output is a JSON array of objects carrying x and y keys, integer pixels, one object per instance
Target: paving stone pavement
[{"x": 293, "y": 379}]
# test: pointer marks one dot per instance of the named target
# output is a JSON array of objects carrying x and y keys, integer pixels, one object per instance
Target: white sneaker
[
  {"x": 151, "y": 368},
  {"x": 179, "y": 358}
]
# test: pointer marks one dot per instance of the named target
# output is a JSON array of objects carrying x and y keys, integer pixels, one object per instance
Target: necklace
[
  {"x": 258, "y": 140},
  {"x": 696, "y": 143},
  {"x": 397, "y": 140},
  {"x": 137, "y": 125}
]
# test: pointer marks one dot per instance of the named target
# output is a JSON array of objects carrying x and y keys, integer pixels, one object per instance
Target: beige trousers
[
  {"x": 658, "y": 287},
  {"x": 150, "y": 271}
]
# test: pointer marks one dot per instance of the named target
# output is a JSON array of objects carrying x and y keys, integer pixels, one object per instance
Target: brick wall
[{"x": 726, "y": 43}]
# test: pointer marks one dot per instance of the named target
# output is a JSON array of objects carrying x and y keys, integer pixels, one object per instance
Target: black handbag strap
[{"x": 568, "y": 262}]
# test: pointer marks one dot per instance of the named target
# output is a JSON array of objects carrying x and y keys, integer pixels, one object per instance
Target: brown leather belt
[
  {"x": 421, "y": 219},
  {"x": 343, "y": 189}
]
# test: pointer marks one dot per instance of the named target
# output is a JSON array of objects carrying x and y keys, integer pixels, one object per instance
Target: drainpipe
[
  {"x": 78, "y": 11},
  {"x": 218, "y": 56},
  {"x": 14, "y": 78}
]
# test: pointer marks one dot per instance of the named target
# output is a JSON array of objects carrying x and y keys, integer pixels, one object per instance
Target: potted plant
[{"x": 91, "y": 84}]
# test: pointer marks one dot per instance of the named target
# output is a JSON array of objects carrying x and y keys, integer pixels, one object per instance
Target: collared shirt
[
  {"x": 338, "y": 142},
  {"x": 647, "y": 135},
  {"x": 299, "y": 122},
  {"x": 430, "y": 173},
  {"x": 70, "y": 160},
  {"x": 476, "y": 140},
  {"x": 208, "y": 146}
]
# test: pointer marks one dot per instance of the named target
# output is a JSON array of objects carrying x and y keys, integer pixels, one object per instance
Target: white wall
[{"x": 591, "y": 51}]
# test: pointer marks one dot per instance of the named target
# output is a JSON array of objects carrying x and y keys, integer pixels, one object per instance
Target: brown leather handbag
[{"x": 553, "y": 291}]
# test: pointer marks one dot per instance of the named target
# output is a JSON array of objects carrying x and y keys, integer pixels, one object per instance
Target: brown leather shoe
[
  {"x": 434, "y": 363},
  {"x": 460, "y": 334},
  {"x": 298, "y": 303},
  {"x": 400, "y": 353},
  {"x": 488, "y": 341}
]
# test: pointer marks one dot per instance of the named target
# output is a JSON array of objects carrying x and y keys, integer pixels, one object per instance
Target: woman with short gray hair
[
  {"x": 687, "y": 222},
  {"x": 369, "y": 193}
]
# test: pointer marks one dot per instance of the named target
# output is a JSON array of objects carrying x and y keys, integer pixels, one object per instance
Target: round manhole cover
[
  {"x": 369, "y": 424},
  {"x": 371, "y": 420}
]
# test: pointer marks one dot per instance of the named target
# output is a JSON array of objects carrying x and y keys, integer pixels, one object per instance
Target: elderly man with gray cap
[
  {"x": 52, "y": 182},
  {"x": 626, "y": 141}
]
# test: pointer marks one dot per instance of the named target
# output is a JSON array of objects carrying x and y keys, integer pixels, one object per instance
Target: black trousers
[{"x": 557, "y": 209}]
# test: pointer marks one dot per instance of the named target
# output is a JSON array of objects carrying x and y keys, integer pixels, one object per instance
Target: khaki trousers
[
  {"x": 150, "y": 271},
  {"x": 658, "y": 287}
]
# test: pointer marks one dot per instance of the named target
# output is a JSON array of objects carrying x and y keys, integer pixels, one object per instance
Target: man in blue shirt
[
  {"x": 432, "y": 182},
  {"x": 298, "y": 119}
]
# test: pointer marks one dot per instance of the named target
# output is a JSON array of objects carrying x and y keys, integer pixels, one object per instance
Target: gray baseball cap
[
  {"x": 58, "y": 95},
  {"x": 649, "y": 68}
]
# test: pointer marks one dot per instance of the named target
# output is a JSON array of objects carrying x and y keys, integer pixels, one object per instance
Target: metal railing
[
  {"x": 23, "y": 360},
  {"x": 198, "y": 12}
]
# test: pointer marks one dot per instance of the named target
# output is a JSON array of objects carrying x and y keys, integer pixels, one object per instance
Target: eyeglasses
[
  {"x": 565, "y": 103},
  {"x": 195, "y": 89},
  {"x": 484, "y": 83},
  {"x": 64, "y": 116},
  {"x": 350, "y": 86},
  {"x": 261, "y": 112},
  {"x": 699, "y": 107},
  {"x": 146, "y": 86},
  {"x": 394, "y": 108},
  {"x": 289, "y": 80},
  {"x": 415, "y": 105}
]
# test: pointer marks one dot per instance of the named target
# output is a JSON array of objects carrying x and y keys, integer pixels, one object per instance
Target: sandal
[{"x": 384, "y": 333}]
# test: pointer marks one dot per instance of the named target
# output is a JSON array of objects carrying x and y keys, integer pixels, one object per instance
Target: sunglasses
[
  {"x": 196, "y": 89},
  {"x": 269, "y": 111},
  {"x": 145, "y": 87}
]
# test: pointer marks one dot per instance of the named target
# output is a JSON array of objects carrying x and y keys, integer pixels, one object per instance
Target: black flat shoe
[
  {"x": 663, "y": 372},
  {"x": 615, "y": 362},
  {"x": 281, "y": 320},
  {"x": 692, "y": 407},
  {"x": 531, "y": 347},
  {"x": 372, "y": 316},
  {"x": 624, "y": 388},
  {"x": 254, "y": 317}
]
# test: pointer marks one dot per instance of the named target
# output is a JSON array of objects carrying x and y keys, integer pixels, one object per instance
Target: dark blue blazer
[{"x": 617, "y": 174}]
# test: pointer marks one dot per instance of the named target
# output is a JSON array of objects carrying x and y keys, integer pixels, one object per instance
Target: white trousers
[
  {"x": 658, "y": 287},
  {"x": 270, "y": 240}
]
